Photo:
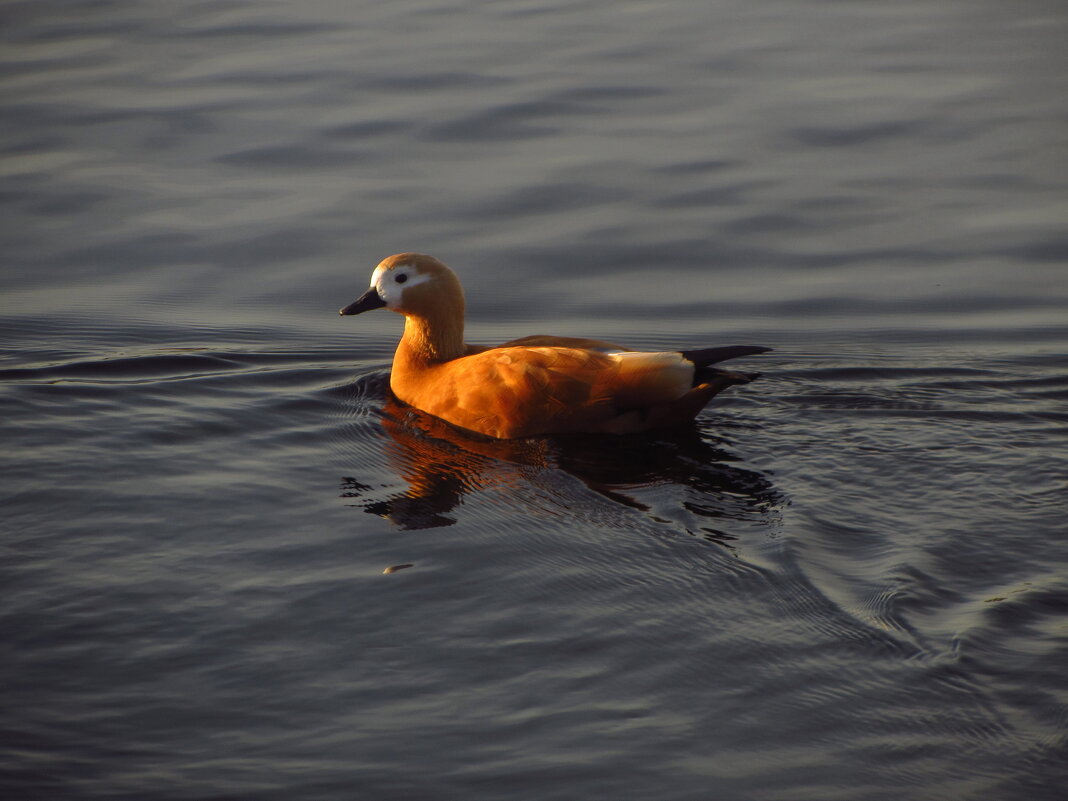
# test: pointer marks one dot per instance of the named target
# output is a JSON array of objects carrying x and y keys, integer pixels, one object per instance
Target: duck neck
[{"x": 428, "y": 340}]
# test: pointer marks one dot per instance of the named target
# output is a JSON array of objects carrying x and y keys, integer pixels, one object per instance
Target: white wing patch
[{"x": 653, "y": 377}]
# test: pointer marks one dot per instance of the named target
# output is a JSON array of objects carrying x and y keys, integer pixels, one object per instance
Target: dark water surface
[{"x": 846, "y": 581}]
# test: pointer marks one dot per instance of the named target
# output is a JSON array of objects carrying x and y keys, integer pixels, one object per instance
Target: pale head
[{"x": 412, "y": 284}]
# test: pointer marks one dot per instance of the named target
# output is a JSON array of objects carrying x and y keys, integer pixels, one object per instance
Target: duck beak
[{"x": 367, "y": 301}]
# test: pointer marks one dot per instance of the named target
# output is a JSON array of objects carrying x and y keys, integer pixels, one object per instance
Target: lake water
[{"x": 848, "y": 580}]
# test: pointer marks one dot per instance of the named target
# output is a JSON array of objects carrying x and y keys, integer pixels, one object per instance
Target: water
[{"x": 846, "y": 580}]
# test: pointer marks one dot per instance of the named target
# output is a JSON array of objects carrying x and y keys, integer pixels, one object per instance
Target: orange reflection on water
[{"x": 441, "y": 464}]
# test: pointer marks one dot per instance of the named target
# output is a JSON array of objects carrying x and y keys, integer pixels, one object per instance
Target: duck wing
[
  {"x": 519, "y": 391},
  {"x": 546, "y": 341}
]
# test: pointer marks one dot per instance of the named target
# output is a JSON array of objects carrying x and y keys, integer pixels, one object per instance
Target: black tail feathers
[{"x": 703, "y": 357}]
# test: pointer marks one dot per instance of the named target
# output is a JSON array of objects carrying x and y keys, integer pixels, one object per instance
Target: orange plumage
[{"x": 534, "y": 385}]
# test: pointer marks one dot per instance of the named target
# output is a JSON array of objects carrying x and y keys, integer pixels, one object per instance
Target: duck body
[{"x": 535, "y": 385}]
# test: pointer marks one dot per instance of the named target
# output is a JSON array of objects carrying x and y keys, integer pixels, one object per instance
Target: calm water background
[{"x": 846, "y": 581}]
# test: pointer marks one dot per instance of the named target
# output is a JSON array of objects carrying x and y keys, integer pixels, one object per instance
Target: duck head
[
  {"x": 412, "y": 284},
  {"x": 431, "y": 299}
]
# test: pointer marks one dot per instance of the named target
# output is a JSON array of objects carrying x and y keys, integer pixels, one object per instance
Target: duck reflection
[{"x": 441, "y": 464}]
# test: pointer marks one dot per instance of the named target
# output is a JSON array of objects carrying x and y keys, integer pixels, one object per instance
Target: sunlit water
[{"x": 234, "y": 568}]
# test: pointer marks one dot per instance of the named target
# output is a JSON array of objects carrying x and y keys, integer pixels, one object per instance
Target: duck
[{"x": 537, "y": 385}]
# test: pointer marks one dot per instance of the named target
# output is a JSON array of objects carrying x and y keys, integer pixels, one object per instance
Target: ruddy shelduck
[{"x": 535, "y": 385}]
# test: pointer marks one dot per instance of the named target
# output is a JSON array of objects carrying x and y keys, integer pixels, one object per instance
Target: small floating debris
[{"x": 395, "y": 568}]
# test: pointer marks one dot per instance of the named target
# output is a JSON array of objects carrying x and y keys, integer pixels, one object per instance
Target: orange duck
[{"x": 534, "y": 385}]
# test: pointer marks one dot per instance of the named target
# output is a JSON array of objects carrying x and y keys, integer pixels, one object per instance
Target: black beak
[{"x": 367, "y": 301}]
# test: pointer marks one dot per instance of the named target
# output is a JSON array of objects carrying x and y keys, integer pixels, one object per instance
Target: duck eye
[{"x": 400, "y": 279}]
